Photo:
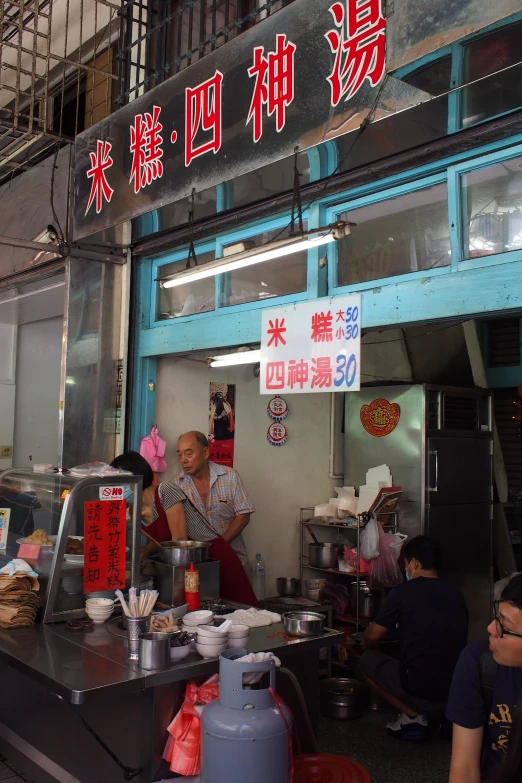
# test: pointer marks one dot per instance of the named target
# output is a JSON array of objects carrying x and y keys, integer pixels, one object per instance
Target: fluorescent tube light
[
  {"x": 239, "y": 357},
  {"x": 284, "y": 247}
]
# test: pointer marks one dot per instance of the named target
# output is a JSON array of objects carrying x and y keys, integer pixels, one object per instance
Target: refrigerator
[{"x": 438, "y": 445}]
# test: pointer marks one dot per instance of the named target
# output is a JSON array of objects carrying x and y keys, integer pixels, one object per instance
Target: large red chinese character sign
[
  {"x": 359, "y": 45},
  {"x": 104, "y": 545},
  {"x": 203, "y": 113},
  {"x": 274, "y": 87},
  {"x": 100, "y": 188},
  {"x": 145, "y": 147}
]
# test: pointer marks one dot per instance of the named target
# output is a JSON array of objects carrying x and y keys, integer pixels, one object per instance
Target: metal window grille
[
  {"x": 159, "y": 38},
  {"x": 56, "y": 74}
]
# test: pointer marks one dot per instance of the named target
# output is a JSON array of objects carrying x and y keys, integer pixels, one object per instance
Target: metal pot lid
[{"x": 321, "y": 767}]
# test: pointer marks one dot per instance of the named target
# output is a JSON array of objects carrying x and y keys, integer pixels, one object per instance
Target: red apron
[
  {"x": 159, "y": 529},
  {"x": 234, "y": 584}
]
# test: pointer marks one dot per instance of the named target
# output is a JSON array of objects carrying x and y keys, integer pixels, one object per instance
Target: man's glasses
[{"x": 500, "y": 628}]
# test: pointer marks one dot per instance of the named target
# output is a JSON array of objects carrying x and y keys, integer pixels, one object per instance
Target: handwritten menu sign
[
  {"x": 312, "y": 347},
  {"x": 104, "y": 545}
]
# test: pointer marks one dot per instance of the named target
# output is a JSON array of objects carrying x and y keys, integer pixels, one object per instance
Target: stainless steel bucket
[
  {"x": 287, "y": 586},
  {"x": 154, "y": 650},
  {"x": 342, "y": 698},
  {"x": 370, "y": 601}
]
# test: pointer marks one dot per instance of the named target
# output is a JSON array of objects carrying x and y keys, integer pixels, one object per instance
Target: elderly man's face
[{"x": 192, "y": 454}]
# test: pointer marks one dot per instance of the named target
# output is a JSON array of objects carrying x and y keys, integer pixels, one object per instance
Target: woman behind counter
[{"x": 168, "y": 515}]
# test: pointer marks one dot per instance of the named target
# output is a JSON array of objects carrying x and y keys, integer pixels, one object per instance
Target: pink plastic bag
[
  {"x": 384, "y": 571},
  {"x": 152, "y": 448},
  {"x": 183, "y": 748}
]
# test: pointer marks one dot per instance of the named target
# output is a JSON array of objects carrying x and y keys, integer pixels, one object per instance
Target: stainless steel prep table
[{"x": 129, "y": 707}]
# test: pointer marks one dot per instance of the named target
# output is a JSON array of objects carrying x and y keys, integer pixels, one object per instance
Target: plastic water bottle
[{"x": 258, "y": 579}]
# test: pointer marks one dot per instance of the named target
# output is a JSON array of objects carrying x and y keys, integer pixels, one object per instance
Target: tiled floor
[
  {"x": 388, "y": 760},
  {"x": 10, "y": 774}
]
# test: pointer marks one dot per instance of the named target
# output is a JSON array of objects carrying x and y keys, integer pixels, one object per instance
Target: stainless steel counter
[
  {"x": 76, "y": 665},
  {"x": 128, "y": 707}
]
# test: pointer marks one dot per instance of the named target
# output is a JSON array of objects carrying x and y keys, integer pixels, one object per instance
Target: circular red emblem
[
  {"x": 277, "y": 408},
  {"x": 380, "y": 417},
  {"x": 277, "y": 434}
]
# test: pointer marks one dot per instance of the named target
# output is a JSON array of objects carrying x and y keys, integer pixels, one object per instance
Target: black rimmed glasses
[{"x": 500, "y": 628}]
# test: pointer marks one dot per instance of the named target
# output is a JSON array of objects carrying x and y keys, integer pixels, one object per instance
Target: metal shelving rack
[{"x": 346, "y": 528}]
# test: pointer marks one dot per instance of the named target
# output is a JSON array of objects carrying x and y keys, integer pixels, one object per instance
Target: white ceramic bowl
[
  {"x": 99, "y": 610},
  {"x": 201, "y": 617},
  {"x": 210, "y": 650},
  {"x": 102, "y": 603},
  {"x": 238, "y": 631},
  {"x": 97, "y": 616},
  {"x": 237, "y": 642},
  {"x": 178, "y": 653},
  {"x": 211, "y": 632}
]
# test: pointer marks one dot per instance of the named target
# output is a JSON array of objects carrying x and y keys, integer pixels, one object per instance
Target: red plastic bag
[
  {"x": 183, "y": 748},
  {"x": 384, "y": 571}
]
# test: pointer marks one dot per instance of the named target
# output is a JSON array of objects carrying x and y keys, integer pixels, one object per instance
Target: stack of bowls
[
  {"x": 314, "y": 587},
  {"x": 238, "y": 636},
  {"x": 99, "y": 609},
  {"x": 192, "y": 620},
  {"x": 211, "y": 642}
]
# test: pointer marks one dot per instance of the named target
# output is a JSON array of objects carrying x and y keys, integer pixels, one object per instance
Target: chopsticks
[{"x": 138, "y": 607}]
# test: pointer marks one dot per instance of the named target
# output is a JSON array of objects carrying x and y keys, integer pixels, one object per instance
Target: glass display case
[{"x": 92, "y": 534}]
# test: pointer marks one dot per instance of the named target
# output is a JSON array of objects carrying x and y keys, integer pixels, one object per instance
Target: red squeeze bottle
[{"x": 192, "y": 588}]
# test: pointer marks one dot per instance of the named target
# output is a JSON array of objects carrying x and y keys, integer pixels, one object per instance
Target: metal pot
[
  {"x": 183, "y": 553},
  {"x": 324, "y": 555},
  {"x": 303, "y": 623},
  {"x": 370, "y": 601},
  {"x": 343, "y": 699},
  {"x": 287, "y": 586}
]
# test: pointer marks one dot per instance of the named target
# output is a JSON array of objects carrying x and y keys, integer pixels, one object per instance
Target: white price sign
[
  {"x": 312, "y": 347},
  {"x": 5, "y": 515}
]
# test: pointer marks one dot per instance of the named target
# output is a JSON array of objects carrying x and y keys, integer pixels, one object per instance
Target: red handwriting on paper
[{"x": 104, "y": 545}]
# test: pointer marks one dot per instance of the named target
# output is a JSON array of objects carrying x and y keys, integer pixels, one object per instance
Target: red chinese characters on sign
[
  {"x": 297, "y": 373},
  {"x": 322, "y": 372},
  {"x": 380, "y": 417},
  {"x": 276, "y": 330},
  {"x": 104, "y": 545},
  {"x": 322, "y": 330},
  {"x": 359, "y": 45},
  {"x": 274, "y": 87},
  {"x": 145, "y": 147},
  {"x": 100, "y": 188},
  {"x": 275, "y": 375},
  {"x": 203, "y": 113}
]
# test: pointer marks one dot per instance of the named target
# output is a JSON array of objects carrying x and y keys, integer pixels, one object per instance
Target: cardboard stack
[{"x": 19, "y": 602}]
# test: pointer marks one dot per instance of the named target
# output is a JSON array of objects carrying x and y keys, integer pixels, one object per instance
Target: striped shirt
[
  {"x": 226, "y": 500},
  {"x": 197, "y": 528}
]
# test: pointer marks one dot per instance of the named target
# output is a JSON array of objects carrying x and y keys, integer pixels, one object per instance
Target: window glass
[
  {"x": 501, "y": 92},
  {"x": 492, "y": 209},
  {"x": 434, "y": 78},
  {"x": 393, "y": 237},
  {"x": 279, "y": 277},
  {"x": 187, "y": 299}
]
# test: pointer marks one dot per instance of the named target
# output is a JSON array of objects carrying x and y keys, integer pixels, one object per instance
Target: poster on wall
[
  {"x": 312, "y": 347},
  {"x": 222, "y": 423}
]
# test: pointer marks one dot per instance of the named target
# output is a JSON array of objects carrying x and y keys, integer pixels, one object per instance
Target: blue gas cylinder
[{"x": 244, "y": 738}]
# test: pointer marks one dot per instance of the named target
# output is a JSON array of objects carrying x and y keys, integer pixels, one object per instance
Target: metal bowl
[
  {"x": 303, "y": 623},
  {"x": 183, "y": 553},
  {"x": 287, "y": 586}
]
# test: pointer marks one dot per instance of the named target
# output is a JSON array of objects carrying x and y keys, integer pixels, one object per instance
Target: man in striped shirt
[{"x": 215, "y": 490}]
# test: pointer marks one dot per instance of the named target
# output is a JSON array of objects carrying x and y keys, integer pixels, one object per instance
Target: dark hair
[
  {"x": 425, "y": 550},
  {"x": 135, "y": 464},
  {"x": 511, "y": 769},
  {"x": 512, "y": 592}
]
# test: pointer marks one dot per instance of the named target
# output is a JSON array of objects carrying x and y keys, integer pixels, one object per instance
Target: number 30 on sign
[{"x": 312, "y": 347}]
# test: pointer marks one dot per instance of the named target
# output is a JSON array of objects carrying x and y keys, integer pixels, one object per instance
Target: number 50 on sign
[{"x": 312, "y": 347}]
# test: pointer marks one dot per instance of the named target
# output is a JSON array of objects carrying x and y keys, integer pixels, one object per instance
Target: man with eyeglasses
[{"x": 482, "y": 712}]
